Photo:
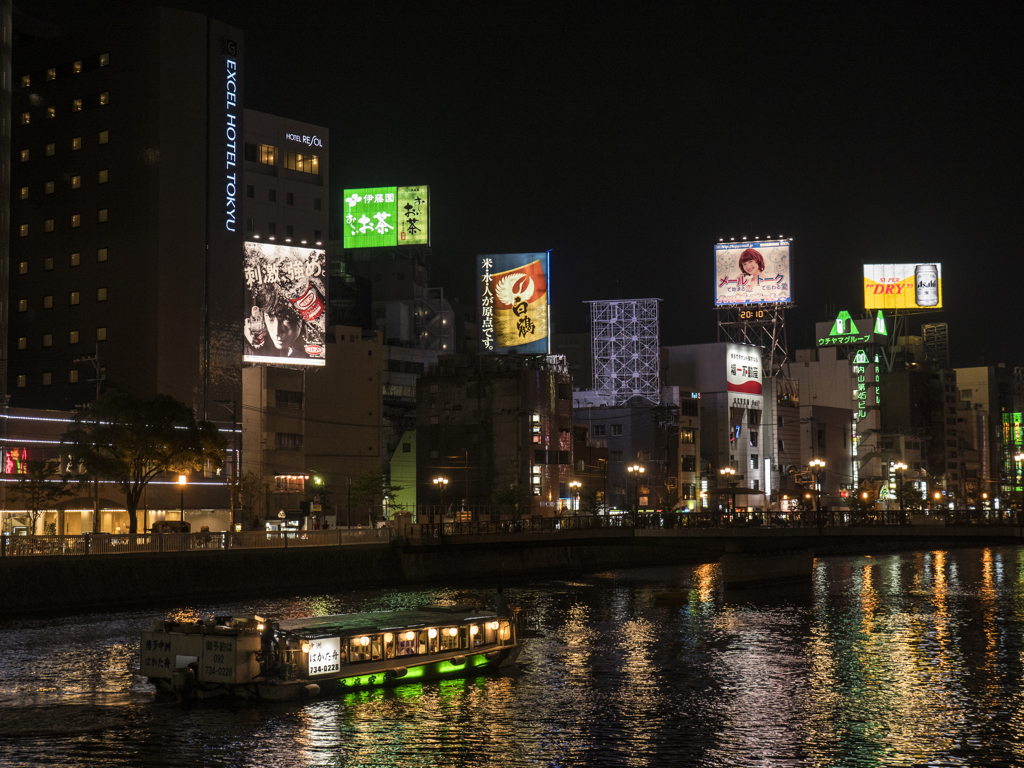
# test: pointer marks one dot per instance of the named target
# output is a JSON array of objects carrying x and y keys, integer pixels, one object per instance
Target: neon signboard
[
  {"x": 753, "y": 272},
  {"x": 378, "y": 217}
]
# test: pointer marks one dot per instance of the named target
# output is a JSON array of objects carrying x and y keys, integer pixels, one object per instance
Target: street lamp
[
  {"x": 727, "y": 474},
  {"x": 817, "y": 467},
  {"x": 900, "y": 468},
  {"x": 182, "y": 479},
  {"x": 575, "y": 491},
  {"x": 442, "y": 484},
  {"x": 636, "y": 471}
]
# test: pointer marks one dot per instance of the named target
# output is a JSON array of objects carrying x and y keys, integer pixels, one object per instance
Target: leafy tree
[
  {"x": 131, "y": 441},
  {"x": 39, "y": 488},
  {"x": 368, "y": 487},
  {"x": 590, "y": 502},
  {"x": 911, "y": 498},
  {"x": 862, "y": 502},
  {"x": 512, "y": 501}
]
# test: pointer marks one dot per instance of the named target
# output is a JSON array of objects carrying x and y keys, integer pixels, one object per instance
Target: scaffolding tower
[
  {"x": 625, "y": 341},
  {"x": 760, "y": 325},
  {"x": 936, "y": 342}
]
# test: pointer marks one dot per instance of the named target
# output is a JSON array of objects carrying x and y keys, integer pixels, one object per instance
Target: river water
[{"x": 893, "y": 660}]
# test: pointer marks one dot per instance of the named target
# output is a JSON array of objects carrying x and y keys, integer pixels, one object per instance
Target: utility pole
[{"x": 98, "y": 379}]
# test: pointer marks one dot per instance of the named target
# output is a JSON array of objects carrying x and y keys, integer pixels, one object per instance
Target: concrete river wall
[{"x": 45, "y": 584}]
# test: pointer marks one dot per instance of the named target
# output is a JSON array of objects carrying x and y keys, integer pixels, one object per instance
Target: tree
[
  {"x": 912, "y": 501},
  {"x": 251, "y": 490},
  {"x": 131, "y": 441},
  {"x": 367, "y": 487},
  {"x": 512, "y": 501},
  {"x": 37, "y": 490},
  {"x": 590, "y": 502},
  {"x": 862, "y": 502}
]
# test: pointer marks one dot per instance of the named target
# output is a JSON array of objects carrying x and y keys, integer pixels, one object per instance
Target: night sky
[{"x": 629, "y": 137}]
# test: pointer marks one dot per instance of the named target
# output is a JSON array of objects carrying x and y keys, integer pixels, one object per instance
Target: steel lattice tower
[
  {"x": 625, "y": 341},
  {"x": 760, "y": 325}
]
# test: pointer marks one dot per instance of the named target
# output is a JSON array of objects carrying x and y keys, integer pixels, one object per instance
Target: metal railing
[{"x": 127, "y": 543}]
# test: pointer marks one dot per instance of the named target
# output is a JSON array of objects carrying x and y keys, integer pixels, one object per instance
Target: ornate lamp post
[
  {"x": 574, "y": 489},
  {"x": 441, "y": 483},
  {"x": 727, "y": 474},
  {"x": 635, "y": 471},
  {"x": 817, "y": 467},
  {"x": 182, "y": 479},
  {"x": 900, "y": 468}
]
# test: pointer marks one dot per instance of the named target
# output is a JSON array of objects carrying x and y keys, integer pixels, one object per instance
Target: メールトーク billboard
[
  {"x": 903, "y": 286},
  {"x": 286, "y": 308},
  {"x": 753, "y": 272},
  {"x": 383, "y": 216},
  {"x": 512, "y": 291}
]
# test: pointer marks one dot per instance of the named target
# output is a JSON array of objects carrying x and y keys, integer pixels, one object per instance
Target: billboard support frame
[{"x": 758, "y": 325}]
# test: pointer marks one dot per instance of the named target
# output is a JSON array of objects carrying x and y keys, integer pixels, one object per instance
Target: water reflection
[{"x": 892, "y": 660}]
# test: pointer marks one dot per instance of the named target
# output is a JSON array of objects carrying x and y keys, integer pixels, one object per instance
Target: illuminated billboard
[
  {"x": 753, "y": 272},
  {"x": 845, "y": 331},
  {"x": 285, "y": 305},
  {"x": 743, "y": 369},
  {"x": 903, "y": 286},
  {"x": 512, "y": 293},
  {"x": 383, "y": 216}
]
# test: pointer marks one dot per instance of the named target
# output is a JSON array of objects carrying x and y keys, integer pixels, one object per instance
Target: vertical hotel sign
[
  {"x": 232, "y": 132},
  {"x": 512, "y": 293}
]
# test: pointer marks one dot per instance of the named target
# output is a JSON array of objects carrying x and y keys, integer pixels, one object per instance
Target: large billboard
[
  {"x": 743, "y": 374},
  {"x": 512, "y": 293},
  {"x": 286, "y": 309},
  {"x": 755, "y": 272},
  {"x": 384, "y": 216},
  {"x": 903, "y": 286}
]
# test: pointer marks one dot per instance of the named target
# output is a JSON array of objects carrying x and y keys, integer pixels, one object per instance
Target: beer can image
[{"x": 926, "y": 285}]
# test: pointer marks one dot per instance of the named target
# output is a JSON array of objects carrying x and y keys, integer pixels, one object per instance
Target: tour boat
[{"x": 251, "y": 657}]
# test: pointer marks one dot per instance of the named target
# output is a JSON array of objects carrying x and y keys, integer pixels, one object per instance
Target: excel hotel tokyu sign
[
  {"x": 512, "y": 293},
  {"x": 378, "y": 217}
]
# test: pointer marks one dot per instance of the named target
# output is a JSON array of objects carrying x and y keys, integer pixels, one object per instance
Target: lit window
[
  {"x": 26, "y": 117},
  {"x": 76, "y": 182},
  {"x": 23, "y": 230},
  {"x": 76, "y": 143},
  {"x": 303, "y": 163},
  {"x": 104, "y": 59},
  {"x": 47, "y": 302},
  {"x": 26, "y": 81},
  {"x": 73, "y": 376},
  {"x": 72, "y": 337},
  {"x": 76, "y": 105},
  {"x": 51, "y": 73},
  {"x": 104, "y": 137},
  {"x": 24, "y": 155},
  {"x": 101, "y": 254},
  {"x": 24, "y": 193},
  {"x": 51, "y": 149},
  {"x": 268, "y": 154},
  {"x": 48, "y": 225},
  {"x": 47, "y": 379},
  {"x": 21, "y": 380},
  {"x": 101, "y": 294},
  {"x": 74, "y": 298},
  {"x": 76, "y": 67},
  {"x": 76, "y": 259},
  {"x": 48, "y": 188},
  {"x": 23, "y": 268},
  {"x": 101, "y": 177},
  {"x": 76, "y": 220},
  {"x": 48, "y": 263},
  {"x": 23, "y": 305},
  {"x": 101, "y": 334},
  {"x": 104, "y": 98},
  {"x": 47, "y": 339},
  {"x": 51, "y": 112},
  {"x": 101, "y": 215},
  {"x": 22, "y": 342}
]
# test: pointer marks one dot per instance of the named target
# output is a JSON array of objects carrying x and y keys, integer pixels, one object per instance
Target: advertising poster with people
[
  {"x": 286, "y": 305},
  {"x": 512, "y": 290},
  {"x": 753, "y": 272},
  {"x": 903, "y": 286}
]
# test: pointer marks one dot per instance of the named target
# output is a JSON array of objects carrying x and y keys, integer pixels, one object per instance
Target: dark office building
[{"x": 126, "y": 213}]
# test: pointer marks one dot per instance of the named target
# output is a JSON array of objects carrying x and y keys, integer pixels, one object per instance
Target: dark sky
[{"x": 629, "y": 137}]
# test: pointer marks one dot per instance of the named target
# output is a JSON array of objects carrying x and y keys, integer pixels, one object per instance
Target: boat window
[
  {"x": 360, "y": 648},
  {"x": 476, "y": 635},
  {"x": 376, "y": 647},
  {"x": 428, "y": 640},
  {"x": 389, "y": 645},
  {"x": 408, "y": 644},
  {"x": 449, "y": 638},
  {"x": 490, "y": 632}
]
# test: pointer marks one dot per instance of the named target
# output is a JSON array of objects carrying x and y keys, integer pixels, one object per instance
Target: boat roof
[{"x": 379, "y": 621}]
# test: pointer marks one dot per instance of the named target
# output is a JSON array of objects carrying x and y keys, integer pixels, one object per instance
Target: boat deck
[{"x": 366, "y": 623}]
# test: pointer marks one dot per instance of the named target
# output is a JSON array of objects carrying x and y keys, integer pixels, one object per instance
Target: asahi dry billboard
[{"x": 903, "y": 286}]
